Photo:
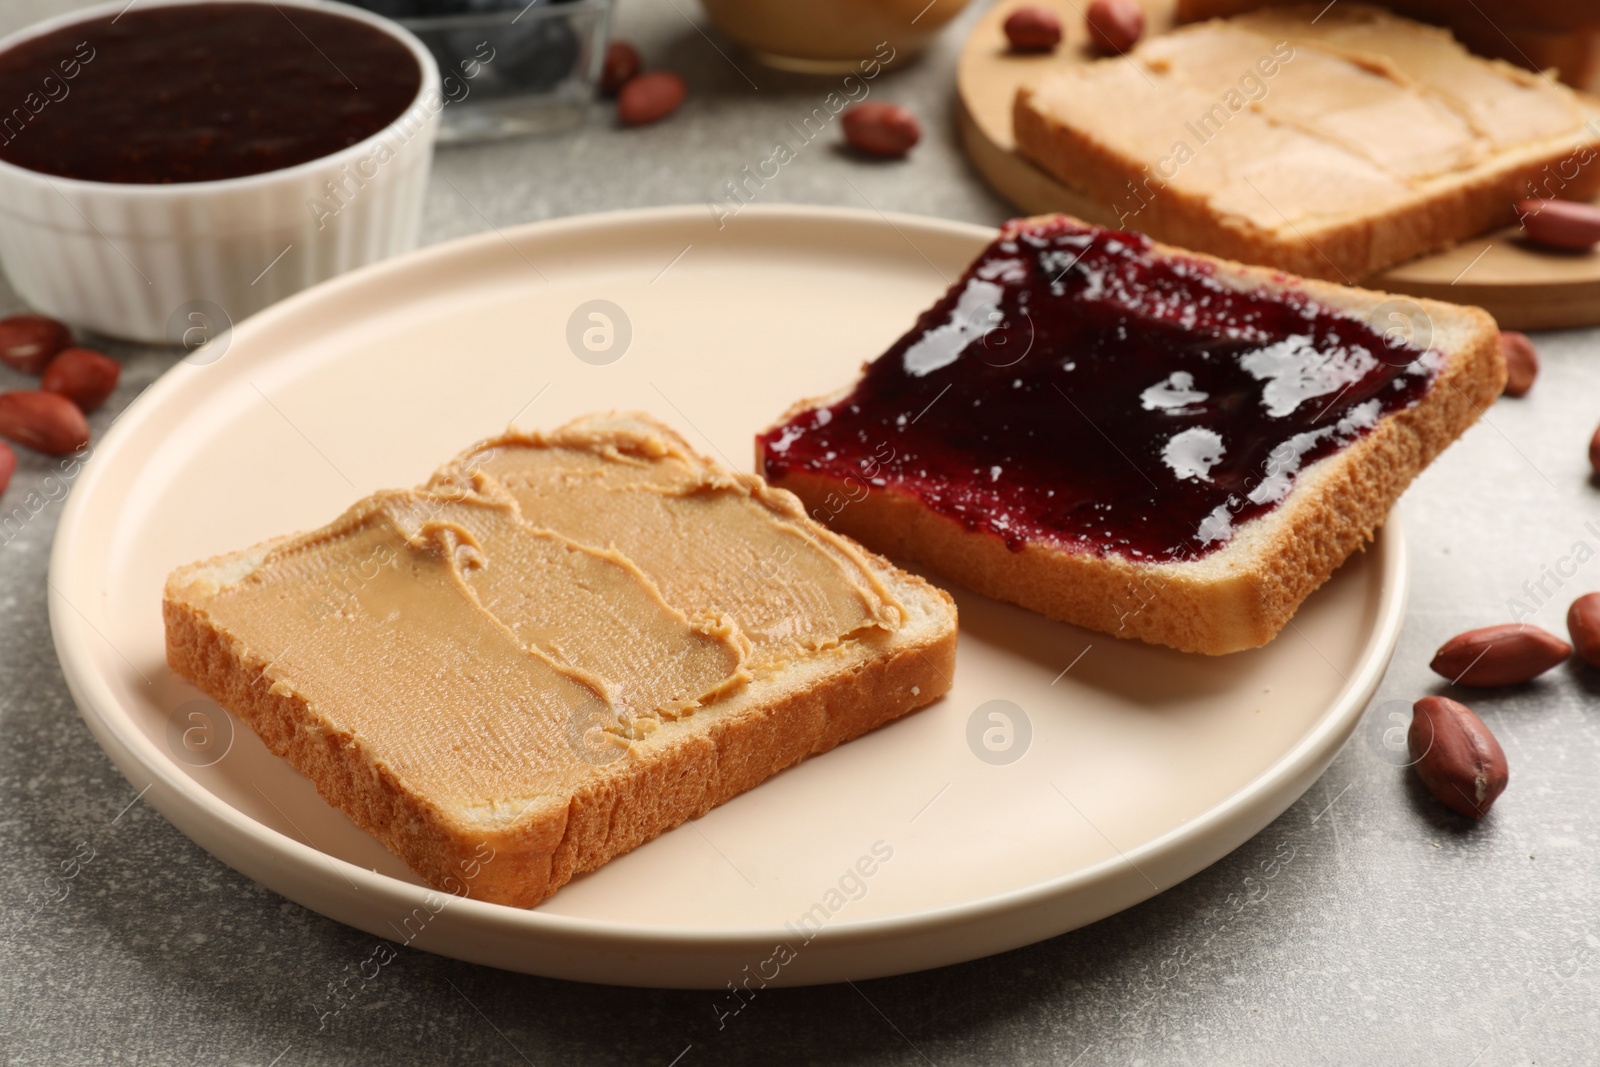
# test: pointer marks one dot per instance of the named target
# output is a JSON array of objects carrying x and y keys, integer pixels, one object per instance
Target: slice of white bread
[
  {"x": 500, "y": 794},
  {"x": 1557, "y": 36},
  {"x": 1552, "y": 15},
  {"x": 1330, "y": 147},
  {"x": 1237, "y": 596}
]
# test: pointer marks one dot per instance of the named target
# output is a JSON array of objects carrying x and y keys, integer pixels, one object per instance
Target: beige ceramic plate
[{"x": 1115, "y": 769}]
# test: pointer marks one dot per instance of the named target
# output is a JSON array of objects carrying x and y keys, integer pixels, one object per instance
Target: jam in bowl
[{"x": 192, "y": 154}]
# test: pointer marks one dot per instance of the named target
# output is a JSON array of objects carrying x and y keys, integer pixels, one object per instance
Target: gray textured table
[{"x": 1386, "y": 932}]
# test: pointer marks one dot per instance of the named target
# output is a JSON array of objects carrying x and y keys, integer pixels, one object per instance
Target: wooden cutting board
[{"x": 1523, "y": 287}]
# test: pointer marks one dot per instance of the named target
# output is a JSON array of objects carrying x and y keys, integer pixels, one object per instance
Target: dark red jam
[
  {"x": 1076, "y": 389},
  {"x": 199, "y": 92}
]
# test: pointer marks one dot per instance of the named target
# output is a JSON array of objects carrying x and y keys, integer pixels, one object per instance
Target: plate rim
[{"x": 168, "y": 787}]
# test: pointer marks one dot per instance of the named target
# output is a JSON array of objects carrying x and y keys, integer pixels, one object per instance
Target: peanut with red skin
[
  {"x": 887, "y": 130},
  {"x": 622, "y": 64},
  {"x": 1563, "y": 224},
  {"x": 1583, "y": 626},
  {"x": 45, "y": 422},
  {"x": 1033, "y": 29},
  {"x": 1115, "y": 25},
  {"x": 1522, "y": 362},
  {"x": 83, "y": 376},
  {"x": 1456, "y": 756},
  {"x": 29, "y": 342},
  {"x": 1508, "y": 654},
  {"x": 650, "y": 97}
]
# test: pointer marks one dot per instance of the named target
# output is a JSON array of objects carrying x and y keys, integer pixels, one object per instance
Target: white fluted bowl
[{"x": 160, "y": 263}]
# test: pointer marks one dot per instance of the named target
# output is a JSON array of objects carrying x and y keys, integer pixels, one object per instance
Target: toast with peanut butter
[
  {"x": 1327, "y": 141},
  {"x": 559, "y": 647},
  {"x": 1557, "y": 36}
]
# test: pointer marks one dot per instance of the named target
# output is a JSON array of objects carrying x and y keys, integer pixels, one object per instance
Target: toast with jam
[{"x": 1140, "y": 440}]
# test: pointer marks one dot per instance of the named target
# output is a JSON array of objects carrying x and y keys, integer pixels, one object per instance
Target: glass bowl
[{"x": 508, "y": 67}]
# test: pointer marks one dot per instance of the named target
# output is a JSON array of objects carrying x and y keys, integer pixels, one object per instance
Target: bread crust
[
  {"x": 1336, "y": 506},
  {"x": 680, "y": 773}
]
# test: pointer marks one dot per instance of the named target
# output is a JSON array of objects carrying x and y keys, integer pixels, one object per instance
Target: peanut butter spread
[
  {"x": 537, "y": 587},
  {"x": 1502, "y": 104},
  {"x": 719, "y": 544},
  {"x": 1277, "y": 120}
]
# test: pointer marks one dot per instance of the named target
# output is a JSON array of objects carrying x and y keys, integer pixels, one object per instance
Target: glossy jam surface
[
  {"x": 199, "y": 92},
  {"x": 1076, "y": 389}
]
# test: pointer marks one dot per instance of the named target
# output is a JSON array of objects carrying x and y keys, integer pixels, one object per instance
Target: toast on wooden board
[{"x": 1330, "y": 147}]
